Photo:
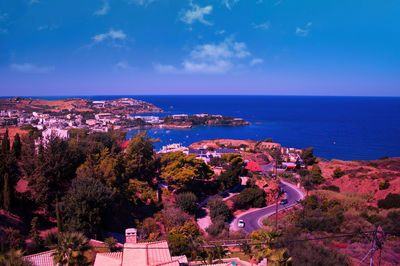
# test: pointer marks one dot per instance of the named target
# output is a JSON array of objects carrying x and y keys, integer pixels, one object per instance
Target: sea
[{"x": 346, "y": 128}]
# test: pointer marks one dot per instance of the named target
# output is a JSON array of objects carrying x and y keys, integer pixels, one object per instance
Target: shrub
[
  {"x": 331, "y": 188},
  {"x": 308, "y": 156},
  {"x": 219, "y": 210},
  {"x": 338, "y": 173},
  {"x": 392, "y": 200},
  {"x": 312, "y": 254},
  {"x": 217, "y": 227},
  {"x": 267, "y": 221},
  {"x": 384, "y": 185},
  {"x": 392, "y": 222},
  {"x": 316, "y": 177},
  {"x": 187, "y": 202},
  {"x": 250, "y": 197}
]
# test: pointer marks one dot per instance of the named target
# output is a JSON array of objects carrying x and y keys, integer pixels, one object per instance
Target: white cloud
[
  {"x": 220, "y": 32},
  {"x": 229, "y": 3},
  {"x": 47, "y": 27},
  {"x": 3, "y": 18},
  {"x": 211, "y": 58},
  {"x": 215, "y": 67},
  {"x": 142, "y": 2},
  {"x": 111, "y": 34},
  {"x": 303, "y": 32},
  {"x": 31, "y": 68},
  {"x": 263, "y": 26},
  {"x": 256, "y": 61},
  {"x": 197, "y": 13},
  {"x": 104, "y": 10},
  {"x": 165, "y": 68},
  {"x": 123, "y": 65}
]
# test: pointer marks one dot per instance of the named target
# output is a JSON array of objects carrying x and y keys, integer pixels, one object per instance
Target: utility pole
[
  {"x": 377, "y": 243},
  {"x": 280, "y": 192}
]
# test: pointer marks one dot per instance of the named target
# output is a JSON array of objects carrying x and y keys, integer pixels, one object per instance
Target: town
[{"x": 104, "y": 115}]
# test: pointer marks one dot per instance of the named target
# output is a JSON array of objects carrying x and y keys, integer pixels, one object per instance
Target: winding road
[{"x": 253, "y": 219}]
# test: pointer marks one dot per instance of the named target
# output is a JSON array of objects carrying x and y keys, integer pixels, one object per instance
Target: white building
[
  {"x": 181, "y": 116},
  {"x": 61, "y": 133},
  {"x": 148, "y": 118},
  {"x": 174, "y": 147}
]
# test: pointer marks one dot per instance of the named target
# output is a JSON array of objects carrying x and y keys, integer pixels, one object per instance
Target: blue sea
[{"x": 347, "y": 128}]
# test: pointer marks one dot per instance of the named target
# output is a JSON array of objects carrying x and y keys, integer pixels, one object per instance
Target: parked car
[
  {"x": 241, "y": 223},
  {"x": 284, "y": 201}
]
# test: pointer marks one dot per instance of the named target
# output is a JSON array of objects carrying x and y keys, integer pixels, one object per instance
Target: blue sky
[{"x": 273, "y": 47}]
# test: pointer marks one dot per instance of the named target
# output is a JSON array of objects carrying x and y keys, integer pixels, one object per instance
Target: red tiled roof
[
  {"x": 253, "y": 166},
  {"x": 123, "y": 144}
]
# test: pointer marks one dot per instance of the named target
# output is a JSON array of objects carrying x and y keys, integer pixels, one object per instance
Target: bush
[
  {"x": 392, "y": 200},
  {"x": 384, "y": 185},
  {"x": 338, "y": 173},
  {"x": 250, "y": 197},
  {"x": 312, "y": 254},
  {"x": 392, "y": 222},
  {"x": 316, "y": 175},
  {"x": 217, "y": 227},
  {"x": 308, "y": 156},
  {"x": 187, "y": 202},
  {"x": 219, "y": 210},
  {"x": 331, "y": 188}
]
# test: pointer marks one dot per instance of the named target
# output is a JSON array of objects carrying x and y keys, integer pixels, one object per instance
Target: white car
[{"x": 241, "y": 223}]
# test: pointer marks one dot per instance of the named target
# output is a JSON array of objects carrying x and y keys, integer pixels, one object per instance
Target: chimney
[{"x": 130, "y": 235}]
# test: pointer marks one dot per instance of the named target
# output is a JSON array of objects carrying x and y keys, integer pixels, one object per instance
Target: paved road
[{"x": 253, "y": 219}]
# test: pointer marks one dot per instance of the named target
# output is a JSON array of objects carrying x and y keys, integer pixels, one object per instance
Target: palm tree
[
  {"x": 71, "y": 249},
  {"x": 13, "y": 258}
]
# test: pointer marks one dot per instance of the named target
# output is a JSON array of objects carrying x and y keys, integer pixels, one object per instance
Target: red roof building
[{"x": 253, "y": 166}]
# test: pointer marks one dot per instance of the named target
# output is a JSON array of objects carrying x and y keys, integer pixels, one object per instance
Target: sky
[{"x": 261, "y": 47}]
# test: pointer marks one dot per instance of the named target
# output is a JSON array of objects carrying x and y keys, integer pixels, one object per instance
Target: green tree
[
  {"x": 71, "y": 249},
  {"x": 173, "y": 217},
  {"x": 5, "y": 144},
  {"x": 14, "y": 239},
  {"x": 233, "y": 165},
  {"x": 139, "y": 157},
  {"x": 17, "y": 146},
  {"x": 250, "y": 197},
  {"x": 8, "y": 173},
  {"x": 35, "y": 235},
  {"x": 104, "y": 166},
  {"x": 187, "y": 201},
  {"x": 13, "y": 257},
  {"x": 316, "y": 175},
  {"x": 178, "y": 169},
  {"x": 307, "y": 155},
  {"x": 218, "y": 209},
  {"x": 53, "y": 171},
  {"x": 6, "y": 193},
  {"x": 86, "y": 205}
]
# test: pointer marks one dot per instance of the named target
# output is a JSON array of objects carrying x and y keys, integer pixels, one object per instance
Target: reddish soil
[{"x": 364, "y": 176}]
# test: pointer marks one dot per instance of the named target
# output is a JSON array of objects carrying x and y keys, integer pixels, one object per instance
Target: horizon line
[{"x": 271, "y": 95}]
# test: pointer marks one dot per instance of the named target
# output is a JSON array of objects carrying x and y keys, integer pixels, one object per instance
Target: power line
[{"x": 227, "y": 240}]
